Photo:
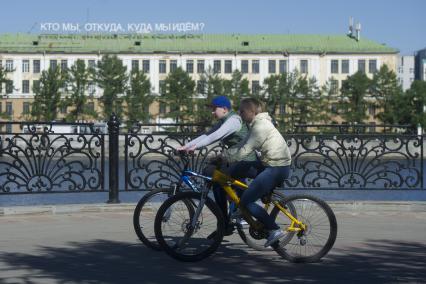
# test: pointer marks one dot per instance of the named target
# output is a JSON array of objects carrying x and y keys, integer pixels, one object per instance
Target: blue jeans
[
  {"x": 262, "y": 185},
  {"x": 266, "y": 179}
]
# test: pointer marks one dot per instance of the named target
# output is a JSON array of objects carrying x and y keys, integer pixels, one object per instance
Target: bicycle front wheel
[
  {"x": 181, "y": 234},
  {"x": 311, "y": 244}
]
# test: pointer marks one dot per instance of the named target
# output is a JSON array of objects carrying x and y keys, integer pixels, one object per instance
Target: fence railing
[{"x": 41, "y": 160}]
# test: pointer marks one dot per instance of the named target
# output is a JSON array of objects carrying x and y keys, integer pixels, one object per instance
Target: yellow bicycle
[{"x": 189, "y": 226}]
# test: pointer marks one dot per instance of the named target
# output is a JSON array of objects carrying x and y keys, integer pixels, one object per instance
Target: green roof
[{"x": 196, "y": 43}]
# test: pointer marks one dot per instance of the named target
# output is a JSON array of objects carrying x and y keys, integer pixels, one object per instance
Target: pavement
[{"x": 378, "y": 242}]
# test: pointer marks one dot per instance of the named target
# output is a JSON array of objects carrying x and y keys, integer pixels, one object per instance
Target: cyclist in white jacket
[{"x": 273, "y": 167}]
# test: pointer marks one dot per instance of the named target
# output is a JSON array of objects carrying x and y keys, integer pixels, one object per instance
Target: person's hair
[{"x": 252, "y": 104}]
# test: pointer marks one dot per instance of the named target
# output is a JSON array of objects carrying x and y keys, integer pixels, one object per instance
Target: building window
[
  {"x": 334, "y": 66},
  {"x": 190, "y": 66},
  {"x": 63, "y": 109},
  {"x": 91, "y": 87},
  {"x": 64, "y": 64},
  {"x": 8, "y": 128},
  {"x": 372, "y": 66},
  {"x": 361, "y": 65},
  {"x": 200, "y": 66},
  {"x": 145, "y": 66},
  {"x": 304, "y": 66},
  {"x": 36, "y": 86},
  {"x": 334, "y": 87},
  {"x": 228, "y": 66},
  {"x": 9, "y": 109},
  {"x": 135, "y": 65},
  {"x": 372, "y": 110},
  {"x": 345, "y": 66},
  {"x": 162, "y": 108},
  {"x": 201, "y": 87},
  {"x": 26, "y": 108},
  {"x": 91, "y": 63},
  {"x": 217, "y": 66},
  {"x": 53, "y": 64},
  {"x": 162, "y": 87},
  {"x": 272, "y": 66},
  {"x": 255, "y": 87},
  {"x": 283, "y": 66},
  {"x": 1, "y": 107},
  {"x": 25, "y": 86},
  {"x": 282, "y": 109},
  {"x": 9, "y": 65},
  {"x": 334, "y": 109},
  {"x": 244, "y": 66},
  {"x": 9, "y": 86},
  {"x": 411, "y": 70},
  {"x": 36, "y": 66},
  {"x": 91, "y": 106},
  {"x": 255, "y": 67},
  {"x": 162, "y": 66},
  {"x": 25, "y": 66},
  {"x": 173, "y": 65}
]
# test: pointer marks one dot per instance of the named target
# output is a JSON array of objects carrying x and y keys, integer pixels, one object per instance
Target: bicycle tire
[
  {"x": 292, "y": 250},
  {"x": 183, "y": 252},
  {"x": 144, "y": 216}
]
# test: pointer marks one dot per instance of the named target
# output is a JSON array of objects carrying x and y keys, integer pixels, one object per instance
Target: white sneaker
[
  {"x": 241, "y": 221},
  {"x": 274, "y": 236}
]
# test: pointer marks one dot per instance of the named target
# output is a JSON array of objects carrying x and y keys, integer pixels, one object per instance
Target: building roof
[{"x": 195, "y": 43}]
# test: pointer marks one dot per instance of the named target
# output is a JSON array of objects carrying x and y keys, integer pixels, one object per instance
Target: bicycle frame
[{"x": 226, "y": 182}]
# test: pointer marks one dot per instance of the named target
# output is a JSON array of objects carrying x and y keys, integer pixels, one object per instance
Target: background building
[
  {"x": 406, "y": 71},
  {"x": 324, "y": 57},
  {"x": 421, "y": 65}
]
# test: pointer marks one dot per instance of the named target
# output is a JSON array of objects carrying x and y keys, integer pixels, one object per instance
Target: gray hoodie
[{"x": 264, "y": 138}]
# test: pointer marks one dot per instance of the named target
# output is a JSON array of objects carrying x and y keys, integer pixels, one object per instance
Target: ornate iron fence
[
  {"x": 40, "y": 160},
  {"x": 45, "y": 160}
]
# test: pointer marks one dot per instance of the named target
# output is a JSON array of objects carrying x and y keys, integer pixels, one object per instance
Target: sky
[{"x": 398, "y": 24}]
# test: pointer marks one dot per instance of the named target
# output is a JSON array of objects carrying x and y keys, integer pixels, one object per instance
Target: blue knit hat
[{"x": 221, "y": 101}]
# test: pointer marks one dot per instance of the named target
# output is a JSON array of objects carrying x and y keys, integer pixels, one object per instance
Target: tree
[
  {"x": 111, "y": 76},
  {"x": 138, "y": 98},
  {"x": 236, "y": 88},
  {"x": 178, "y": 95},
  {"x": 306, "y": 101},
  {"x": 47, "y": 95},
  {"x": 79, "y": 78},
  {"x": 353, "y": 105},
  {"x": 384, "y": 87},
  {"x": 4, "y": 81},
  {"x": 213, "y": 85},
  {"x": 416, "y": 99}
]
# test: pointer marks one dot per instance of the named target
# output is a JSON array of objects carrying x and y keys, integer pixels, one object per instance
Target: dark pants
[{"x": 239, "y": 170}]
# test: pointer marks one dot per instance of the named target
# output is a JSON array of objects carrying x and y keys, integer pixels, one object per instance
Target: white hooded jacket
[{"x": 264, "y": 138}]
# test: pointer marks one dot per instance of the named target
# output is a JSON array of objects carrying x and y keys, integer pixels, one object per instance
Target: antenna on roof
[
  {"x": 358, "y": 31},
  {"x": 351, "y": 27}
]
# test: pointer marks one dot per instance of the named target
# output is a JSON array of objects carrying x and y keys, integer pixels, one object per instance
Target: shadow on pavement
[{"x": 104, "y": 261}]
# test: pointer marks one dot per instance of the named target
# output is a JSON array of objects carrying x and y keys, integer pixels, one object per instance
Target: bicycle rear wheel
[
  {"x": 177, "y": 235},
  {"x": 144, "y": 215},
  {"x": 316, "y": 241}
]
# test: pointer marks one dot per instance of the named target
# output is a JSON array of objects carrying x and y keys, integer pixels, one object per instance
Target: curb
[{"x": 338, "y": 206}]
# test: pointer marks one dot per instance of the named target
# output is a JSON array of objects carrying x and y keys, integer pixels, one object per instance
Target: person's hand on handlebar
[{"x": 186, "y": 149}]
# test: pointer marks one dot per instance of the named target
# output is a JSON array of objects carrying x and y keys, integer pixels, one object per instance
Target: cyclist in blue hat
[{"x": 230, "y": 130}]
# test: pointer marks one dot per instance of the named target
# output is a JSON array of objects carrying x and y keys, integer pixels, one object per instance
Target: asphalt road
[{"x": 100, "y": 247}]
